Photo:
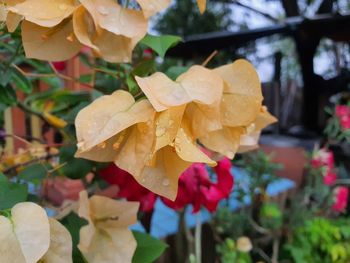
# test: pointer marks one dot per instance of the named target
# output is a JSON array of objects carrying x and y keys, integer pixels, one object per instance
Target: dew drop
[
  {"x": 166, "y": 182},
  {"x": 63, "y": 7},
  {"x": 103, "y": 10},
  {"x": 160, "y": 131},
  {"x": 102, "y": 145}
]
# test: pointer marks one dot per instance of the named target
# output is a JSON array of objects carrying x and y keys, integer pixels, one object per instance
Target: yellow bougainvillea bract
[
  {"x": 156, "y": 139},
  {"x": 29, "y": 236},
  {"x": 55, "y": 30},
  {"x": 107, "y": 238}
]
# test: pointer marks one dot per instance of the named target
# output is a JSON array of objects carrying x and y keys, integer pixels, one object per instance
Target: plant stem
[{"x": 198, "y": 237}]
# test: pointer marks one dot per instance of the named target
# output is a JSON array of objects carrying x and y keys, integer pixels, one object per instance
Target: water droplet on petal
[
  {"x": 166, "y": 182},
  {"x": 160, "y": 131},
  {"x": 103, "y": 10},
  {"x": 63, "y": 7},
  {"x": 102, "y": 145}
]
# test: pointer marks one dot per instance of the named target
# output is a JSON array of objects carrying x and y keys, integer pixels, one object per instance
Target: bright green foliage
[
  {"x": 229, "y": 254},
  {"x": 160, "y": 44},
  {"x": 148, "y": 248},
  {"x": 11, "y": 193},
  {"x": 321, "y": 240}
]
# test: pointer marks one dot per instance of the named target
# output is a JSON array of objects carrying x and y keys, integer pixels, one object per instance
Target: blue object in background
[{"x": 165, "y": 220}]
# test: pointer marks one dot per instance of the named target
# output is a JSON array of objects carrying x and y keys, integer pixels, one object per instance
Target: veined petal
[
  {"x": 136, "y": 151},
  {"x": 109, "y": 115},
  {"x": 108, "y": 213},
  {"x": 163, "y": 177},
  {"x": 60, "y": 250},
  {"x": 53, "y": 44},
  {"x": 198, "y": 84},
  {"x": 239, "y": 110},
  {"x": 187, "y": 149},
  {"x": 12, "y": 21},
  {"x": 32, "y": 229},
  {"x": 225, "y": 141},
  {"x": 46, "y": 13},
  {"x": 10, "y": 250},
  {"x": 151, "y": 7},
  {"x": 167, "y": 125},
  {"x": 109, "y": 246},
  {"x": 109, "y": 15}
]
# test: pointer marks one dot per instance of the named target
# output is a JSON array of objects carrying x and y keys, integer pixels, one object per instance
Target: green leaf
[
  {"x": 148, "y": 248},
  {"x": 73, "y": 223},
  {"x": 11, "y": 194},
  {"x": 21, "y": 82},
  {"x": 175, "y": 71},
  {"x": 3, "y": 178},
  {"x": 161, "y": 44},
  {"x": 34, "y": 173},
  {"x": 7, "y": 95},
  {"x": 74, "y": 168}
]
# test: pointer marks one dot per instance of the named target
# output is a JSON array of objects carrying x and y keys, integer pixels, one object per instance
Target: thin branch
[
  {"x": 49, "y": 75},
  {"x": 211, "y": 56},
  {"x": 248, "y": 7}
]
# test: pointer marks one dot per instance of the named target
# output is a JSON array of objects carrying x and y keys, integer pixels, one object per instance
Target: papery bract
[
  {"x": 129, "y": 188},
  {"x": 27, "y": 234},
  {"x": 61, "y": 245},
  {"x": 107, "y": 238}
]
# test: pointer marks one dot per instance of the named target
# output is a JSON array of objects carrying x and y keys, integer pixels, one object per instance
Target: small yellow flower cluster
[
  {"x": 156, "y": 139},
  {"x": 55, "y": 30}
]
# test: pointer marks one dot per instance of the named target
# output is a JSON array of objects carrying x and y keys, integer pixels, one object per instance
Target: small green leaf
[
  {"x": 74, "y": 223},
  {"x": 7, "y": 95},
  {"x": 161, "y": 44},
  {"x": 34, "y": 173},
  {"x": 21, "y": 82},
  {"x": 148, "y": 248},
  {"x": 175, "y": 71},
  {"x": 3, "y": 178},
  {"x": 11, "y": 194},
  {"x": 74, "y": 168}
]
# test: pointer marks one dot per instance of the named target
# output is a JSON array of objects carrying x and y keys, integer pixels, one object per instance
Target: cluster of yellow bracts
[
  {"x": 156, "y": 138},
  {"x": 28, "y": 235},
  {"x": 56, "y": 30}
]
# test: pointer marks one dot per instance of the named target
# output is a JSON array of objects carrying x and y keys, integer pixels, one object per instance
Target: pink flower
[
  {"x": 345, "y": 122},
  {"x": 323, "y": 159},
  {"x": 196, "y": 188},
  {"x": 341, "y": 199},
  {"x": 342, "y": 110},
  {"x": 330, "y": 177},
  {"x": 60, "y": 66},
  {"x": 129, "y": 188}
]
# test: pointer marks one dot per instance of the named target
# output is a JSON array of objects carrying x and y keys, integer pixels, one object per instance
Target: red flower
[
  {"x": 324, "y": 159},
  {"x": 196, "y": 188},
  {"x": 60, "y": 66},
  {"x": 129, "y": 187},
  {"x": 341, "y": 199},
  {"x": 343, "y": 113},
  {"x": 342, "y": 110},
  {"x": 345, "y": 122},
  {"x": 330, "y": 177}
]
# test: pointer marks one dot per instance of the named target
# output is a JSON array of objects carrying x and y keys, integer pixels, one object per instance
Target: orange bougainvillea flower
[
  {"x": 202, "y": 5},
  {"x": 55, "y": 30},
  {"x": 241, "y": 113},
  {"x": 29, "y": 236},
  {"x": 107, "y": 237},
  {"x": 154, "y": 147}
]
